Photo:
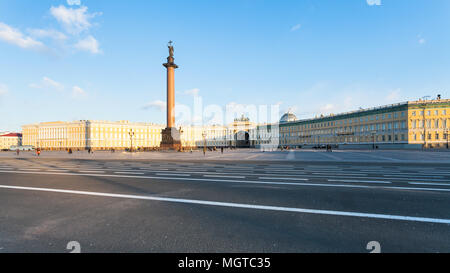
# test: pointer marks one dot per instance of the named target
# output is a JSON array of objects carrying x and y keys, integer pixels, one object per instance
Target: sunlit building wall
[
  {"x": 413, "y": 124},
  {"x": 10, "y": 139},
  {"x": 97, "y": 135}
]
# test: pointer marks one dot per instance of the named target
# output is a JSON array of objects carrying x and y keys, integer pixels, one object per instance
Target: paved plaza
[
  {"x": 241, "y": 201},
  {"x": 381, "y": 156}
]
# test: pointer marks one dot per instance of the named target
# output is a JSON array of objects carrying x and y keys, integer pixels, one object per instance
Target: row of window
[
  {"x": 348, "y": 121},
  {"x": 437, "y": 136},
  {"x": 347, "y": 139},
  {"x": 436, "y": 123},
  {"x": 350, "y": 129},
  {"x": 429, "y": 112}
]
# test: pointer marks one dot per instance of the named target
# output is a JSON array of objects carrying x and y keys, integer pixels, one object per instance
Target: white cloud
[
  {"x": 47, "y": 33},
  {"x": 89, "y": 44},
  {"x": 327, "y": 108},
  {"x": 75, "y": 20},
  {"x": 78, "y": 92},
  {"x": 73, "y": 2},
  {"x": 193, "y": 92},
  {"x": 15, "y": 37},
  {"x": 296, "y": 27},
  {"x": 374, "y": 2},
  {"x": 47, "y": 83},
  {"x": 3, "y": 89},
  {"x": 421, "y": 40},
  {"x": 157, "y": 104},
  {"x": 394, "y": 95}
]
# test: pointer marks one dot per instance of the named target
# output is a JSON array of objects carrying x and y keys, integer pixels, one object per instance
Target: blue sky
[{"x": 101, "y": 59}]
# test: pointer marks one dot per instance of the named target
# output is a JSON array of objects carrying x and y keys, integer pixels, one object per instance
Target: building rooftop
[
  {"x": 12, "y": 135},
  {"x": 288, "y": 117},
  {"x": 373, "y": 109}
]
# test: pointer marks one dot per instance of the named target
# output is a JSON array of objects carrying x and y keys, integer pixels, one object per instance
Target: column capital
[
  {"x": 167, "y": 65},
  {"x": 170, "y": 62}
]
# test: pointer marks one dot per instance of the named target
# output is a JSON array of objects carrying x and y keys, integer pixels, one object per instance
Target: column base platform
[{"x": 170, "y": 139}]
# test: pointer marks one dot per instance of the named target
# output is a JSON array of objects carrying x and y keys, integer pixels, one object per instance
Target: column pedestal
[{"x": 170, "y": 139}]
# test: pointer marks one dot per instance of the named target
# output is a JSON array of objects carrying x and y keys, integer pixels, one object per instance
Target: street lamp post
[
  {"x": 373, "y": 138},
  {"x": 181, "y": 133},
  {"x": 131, "y": 133},
  {"x": 423, "y": 107},
  {"x": 204, "y": 142},
  {"x": 446, "y": 135}
]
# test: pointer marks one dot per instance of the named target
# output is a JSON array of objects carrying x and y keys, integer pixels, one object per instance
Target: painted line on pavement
[
  {"x": 228, "y": 181},
  {"x": 128, "y": 173},
  {"x": 359, "y": 181},
  {"x": 432, "y": 184},
  {"x": 224, "y": 176},
  {"x": 172, "y": 174},
  {"x": 283, "y": 178},
  {"x": 240, "y": 205}
]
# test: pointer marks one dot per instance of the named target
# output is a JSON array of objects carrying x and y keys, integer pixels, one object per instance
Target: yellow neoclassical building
[
  {"x": 93, "y": 134},
  {"x": 8, "y": 140},
  {"x": 234, "y": 134},
  {"x": 408, "y": 125},
  {"x": 120, "y": 135},
  {"x": 412, "y": 124}
]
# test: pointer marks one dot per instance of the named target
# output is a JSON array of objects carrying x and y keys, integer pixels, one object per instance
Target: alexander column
[{"x": 170, "y": 135}]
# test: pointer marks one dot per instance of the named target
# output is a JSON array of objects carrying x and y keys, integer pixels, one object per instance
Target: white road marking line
[
  {"x": 223, "y": 176},
  {"x": 128, "y": 173},
  {"x": 228, "y": 181},
  {"x": 321, "y": 167},
  {"x": 172, "y": 174},
  {"x": 351, "y": 174},
  {"x": 444, "y": 174},
  {"x": 240, "y": 205},
  {"x": 414, "y": 175},
  {"x": 30, "y": 170},
  {"x": 359, "y": 181},
  {"x": 375, "y": 171},
  {"x": 283, "y": 178},
  {"x": 418, "y": 179},
  {"x": 92, "y": 171},
  {"x": 432, "y": 184},
  {"x": 279, "y": 169}
]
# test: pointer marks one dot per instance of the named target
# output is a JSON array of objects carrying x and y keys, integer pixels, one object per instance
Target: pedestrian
[
  {"x": 38, "y": 152},
  {"x": 221, "y": 150}
]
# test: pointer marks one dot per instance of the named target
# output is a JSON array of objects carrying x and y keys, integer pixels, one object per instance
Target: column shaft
[{"x": 170, "y": 97}]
